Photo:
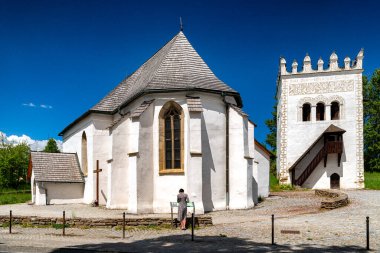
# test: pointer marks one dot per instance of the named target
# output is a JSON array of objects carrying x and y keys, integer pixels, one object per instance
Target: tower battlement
[{"x": 333, "y": 65}]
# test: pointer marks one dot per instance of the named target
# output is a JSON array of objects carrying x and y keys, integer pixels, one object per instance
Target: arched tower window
[
  {"x": 84, "y": 153},
  {"x": 335, "y": 110},
  {"x": 171, "y": 139},
  {"x": 306, "y": 110},
  {"x": 320, "y": 111}
]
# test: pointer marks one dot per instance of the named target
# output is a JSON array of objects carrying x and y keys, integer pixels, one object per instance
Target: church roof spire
[{"x": 175, "y": 67}]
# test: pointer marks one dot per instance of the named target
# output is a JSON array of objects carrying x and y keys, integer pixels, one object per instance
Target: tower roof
[{"x": 176, "y": 66}]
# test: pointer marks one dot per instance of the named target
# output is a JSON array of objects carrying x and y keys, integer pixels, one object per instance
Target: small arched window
[
  {"x": 171, "y": 139},
  {"x": 320, "y": 111},
  {"x": 84, "y": 153},
  {"x": 306, "y": 110},
  {"x": 335, "y": 110}
]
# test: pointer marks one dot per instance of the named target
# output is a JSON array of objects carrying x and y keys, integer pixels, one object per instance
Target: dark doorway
[{"x": 334, "y": 181}]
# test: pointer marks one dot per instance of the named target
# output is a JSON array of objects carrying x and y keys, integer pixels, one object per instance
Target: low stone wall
[
  {"x": 333, "y": 198},
  {"x": 98, "y": 223}
]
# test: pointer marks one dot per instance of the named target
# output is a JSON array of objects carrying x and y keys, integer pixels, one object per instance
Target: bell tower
[{"x": 320, "y": 123}]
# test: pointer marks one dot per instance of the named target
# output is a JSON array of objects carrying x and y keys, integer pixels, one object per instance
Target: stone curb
[
  {"x": 99, "y": 223},
  {"x": 334, "y": 199}
]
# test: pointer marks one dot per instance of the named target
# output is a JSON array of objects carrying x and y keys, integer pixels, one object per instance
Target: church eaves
[{"x": 175, "y": 67}]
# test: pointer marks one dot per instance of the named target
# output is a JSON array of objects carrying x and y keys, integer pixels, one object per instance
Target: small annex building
[
  {"x": 171, "y": 124},
  {"x": 55, "y": 178},
  {"x": 261, "y": 170}
]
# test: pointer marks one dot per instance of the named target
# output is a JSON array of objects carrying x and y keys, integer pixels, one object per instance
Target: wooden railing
[
  {"x": 330, "y": 147},
  {"x": 334, "y": 147}
]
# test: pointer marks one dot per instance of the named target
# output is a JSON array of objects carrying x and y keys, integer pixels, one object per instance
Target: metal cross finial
[{"x": 180, "y": 24}]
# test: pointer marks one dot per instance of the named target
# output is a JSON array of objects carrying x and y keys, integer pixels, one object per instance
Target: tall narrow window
[
  {"x": 84, "y": 154},
  {"x": 306, "y": 112},
  {"x": 171, "y": 139},
  {"x": 335, "y": 110},
  {"x": 320, "y": 111}
]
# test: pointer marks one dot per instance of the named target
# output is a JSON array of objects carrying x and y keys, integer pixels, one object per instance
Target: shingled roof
[
  {"x": 55, "y": 167},
  {"x": 175, "y": 67}
]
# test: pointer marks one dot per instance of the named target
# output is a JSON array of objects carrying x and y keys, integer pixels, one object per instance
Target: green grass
[
  {"x": 275, "y": 186},
  {"x": 372, "y": 180},
  {"x": 14, "y": 198}
]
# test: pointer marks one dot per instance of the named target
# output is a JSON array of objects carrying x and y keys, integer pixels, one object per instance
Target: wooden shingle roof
[
  {"x": 175, "y": 67},
  {"x": 55, "y": 167}
]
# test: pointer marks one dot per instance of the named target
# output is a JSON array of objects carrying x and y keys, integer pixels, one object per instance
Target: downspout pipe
[{"x": 227, "y": 151}]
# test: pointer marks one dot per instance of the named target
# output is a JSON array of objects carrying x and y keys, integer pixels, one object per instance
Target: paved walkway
[{"x": 339, "y": 230}]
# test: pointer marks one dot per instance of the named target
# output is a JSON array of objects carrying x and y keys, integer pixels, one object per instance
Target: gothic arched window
[
  {"x": 171, "y": 139},
  {"x": 320, "y": 111},
  {"x": 306, "y": 110},
  {"x": 335, "y": 110},
  {"x": 84, "y": 153}
]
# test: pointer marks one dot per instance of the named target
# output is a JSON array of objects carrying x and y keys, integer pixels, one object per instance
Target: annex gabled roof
[
  {"x": 175, "y": 67},
  {"x": 55, "y": 167}
]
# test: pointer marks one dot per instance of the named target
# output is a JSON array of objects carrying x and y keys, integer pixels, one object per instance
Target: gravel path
[{"x": 339, "y": 230}]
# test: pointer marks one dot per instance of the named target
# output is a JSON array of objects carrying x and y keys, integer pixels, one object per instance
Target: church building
[
  {"x": 171, "y": 124},
  {"x": 320, "y": 124}
]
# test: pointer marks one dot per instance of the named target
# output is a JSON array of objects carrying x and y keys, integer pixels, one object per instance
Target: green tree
[
  {"x": 51, "y": 146},
  {"x": 14, "y": 161},
  {"x": 271, "y": 138},
  {"x": 371, "y": 97}
]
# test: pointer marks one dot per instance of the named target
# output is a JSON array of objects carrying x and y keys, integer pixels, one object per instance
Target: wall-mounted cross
[{"x": 97, "y": 182}]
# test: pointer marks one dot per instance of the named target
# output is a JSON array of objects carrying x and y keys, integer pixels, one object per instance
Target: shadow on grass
[{"x": 183, "y": 243}]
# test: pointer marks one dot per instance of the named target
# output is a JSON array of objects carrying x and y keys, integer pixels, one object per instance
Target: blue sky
[{"x": 64, "y": 56}]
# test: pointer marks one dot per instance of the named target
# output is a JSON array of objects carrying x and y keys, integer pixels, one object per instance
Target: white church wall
[
  {"x": 213, "y": 125},
  {"x": 144, "y": 174},
  {"x": 64, "y": 193},
  {"x": 195, "y": 181},
  {"x": 261, "y": 172},
  {"x": 166, "y": 186},
  {"x": 72, "y": 143},
  {"x": 119, "y": 165},
  {"x": 102, "y": 143},
  {"x": 240, "y": 166}
]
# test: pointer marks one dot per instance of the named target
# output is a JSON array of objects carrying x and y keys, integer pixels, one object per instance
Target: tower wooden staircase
[{"x": 333, "y": 144}]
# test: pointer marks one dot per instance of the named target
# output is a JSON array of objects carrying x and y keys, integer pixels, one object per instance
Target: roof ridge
[{"x": 172, "y": 41}]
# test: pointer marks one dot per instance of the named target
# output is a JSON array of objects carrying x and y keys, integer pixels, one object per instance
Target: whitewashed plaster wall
[
  {"x": 295, "y": 136},
  {"x": 144, "y": 174},
  {"x": 131, "y": 180},
  {"x": 240, "y": 163},
  {"x": 98, "y": 146},
  {"x": 64, "y": 193},
  {"x": 261, "y": 173},
  {"x": 119, "y": 191},
  {"x": 166, "y": 186},
  {"x": 213, "y": 131}
]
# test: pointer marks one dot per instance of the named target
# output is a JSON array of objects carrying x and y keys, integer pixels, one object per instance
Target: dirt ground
[{"x": 311, "y": 229}]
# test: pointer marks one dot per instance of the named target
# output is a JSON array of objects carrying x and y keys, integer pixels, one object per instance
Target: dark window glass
[
  {"x": 306, "y": 112},
  {"x": 335, "y": 110},
  {"x": 172, "y": 139},
  {"x": 320, "y": 112}
]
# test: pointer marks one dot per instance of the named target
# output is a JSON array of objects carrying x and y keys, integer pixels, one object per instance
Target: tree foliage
[
  {"x": 271, "y": 138},
  {"x": 14, "y": 161},
  {"x": 51, "y": 146},
  {"x": 371, "y": 97}
]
